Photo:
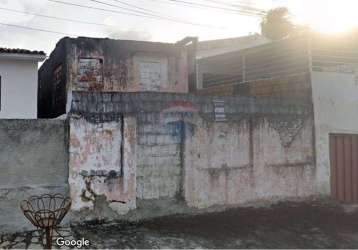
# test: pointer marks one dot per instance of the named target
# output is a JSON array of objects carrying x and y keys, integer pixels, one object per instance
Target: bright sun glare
[{"x": 330, "y": 16}]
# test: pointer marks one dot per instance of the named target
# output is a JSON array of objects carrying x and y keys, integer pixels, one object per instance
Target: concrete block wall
[
  {"x": 184, "y": 152},
  {"x": 34, "y": 161},
  {"x": 159, "y": 169}
]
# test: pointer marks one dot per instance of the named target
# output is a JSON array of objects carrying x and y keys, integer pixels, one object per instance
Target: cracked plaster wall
[
  {"x": 261, "y": 149},
  {"x": 257, "y": 158},
  {"x": 103, "y": 164}
]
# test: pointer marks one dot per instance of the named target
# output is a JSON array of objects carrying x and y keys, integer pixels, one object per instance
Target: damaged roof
[{"x": 21, "y": 51}]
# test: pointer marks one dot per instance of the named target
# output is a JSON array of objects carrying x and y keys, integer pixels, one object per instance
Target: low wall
[
  {"x": 33, "y": 160},
  {"x": 202, "y": 150},
  {"x": 257, "y": 158}
]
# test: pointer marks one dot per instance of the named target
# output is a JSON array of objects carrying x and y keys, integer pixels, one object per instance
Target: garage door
[{"x": 344, "y": 167}]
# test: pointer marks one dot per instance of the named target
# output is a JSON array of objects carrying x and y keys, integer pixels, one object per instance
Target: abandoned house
[
  {"x": 18, "y": 81},
  {"x": 96, "y": 64},
  {"x": 136, "y": 135},
  {"x": 321, "y": 69},
  {"x": 271, "y": 122}
]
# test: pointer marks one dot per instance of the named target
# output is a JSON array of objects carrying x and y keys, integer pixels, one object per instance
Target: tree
[{"x": 276, "y": 24}]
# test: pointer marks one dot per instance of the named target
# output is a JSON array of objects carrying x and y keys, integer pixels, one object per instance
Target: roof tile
[{"x": 20, "y": 51}]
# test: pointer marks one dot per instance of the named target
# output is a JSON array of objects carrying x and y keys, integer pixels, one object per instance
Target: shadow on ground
[{"x": 284, "y": 225}]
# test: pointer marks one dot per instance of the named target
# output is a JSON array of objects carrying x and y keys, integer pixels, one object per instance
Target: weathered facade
[
  {"x": 335, "y": 97},
  {"x": 127, "y": 148},
  {"x": 320, "y": 69},
  {"x": 94, "y": 64}
]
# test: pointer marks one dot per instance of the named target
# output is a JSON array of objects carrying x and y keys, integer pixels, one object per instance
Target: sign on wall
[{"x": 219, "y": 110}]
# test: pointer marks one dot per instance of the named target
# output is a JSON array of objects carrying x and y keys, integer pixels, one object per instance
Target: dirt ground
[{"x": 284, "y": 225}]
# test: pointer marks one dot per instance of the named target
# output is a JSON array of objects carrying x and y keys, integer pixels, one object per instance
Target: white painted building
[{"x": 18, "y": 83}]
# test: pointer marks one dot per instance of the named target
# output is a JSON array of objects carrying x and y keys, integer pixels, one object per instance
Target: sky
[{"x": 178, "y": 19}]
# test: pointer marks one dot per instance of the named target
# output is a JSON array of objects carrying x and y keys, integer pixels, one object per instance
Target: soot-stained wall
[{"x": 94, "y": 64}]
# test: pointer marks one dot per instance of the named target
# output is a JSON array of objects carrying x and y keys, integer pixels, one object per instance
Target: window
[
  {"x": 150, "y": 74},
  {"x": 90, "y": 70}
]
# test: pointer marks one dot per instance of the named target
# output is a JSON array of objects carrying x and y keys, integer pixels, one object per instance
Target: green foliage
[{"x": 276, "y": 24}]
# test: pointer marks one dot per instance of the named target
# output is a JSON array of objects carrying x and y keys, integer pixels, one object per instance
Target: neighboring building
[
  {"x": 266, "y": 61},
  {"x": 222, "y": 46},
  {"x": 321, "y": 69},
  {"x": 18, "y": 83},
  {"x": 106, "y": 65}
]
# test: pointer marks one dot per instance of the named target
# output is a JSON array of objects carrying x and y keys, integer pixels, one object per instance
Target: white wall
[
  {"x": 224, "y": 166},
  {"x": 18, "y": 89},
  {"x": 335, "y": 97}
]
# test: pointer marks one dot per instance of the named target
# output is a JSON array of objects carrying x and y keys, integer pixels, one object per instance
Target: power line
[
  {"x": 240, "y": 6},
  {"x": 95, "y": 8},
  {"x": 127, "y": 13},
  {"x": 36, "y": 29},
  {"x": 199, "y": 5},
  {"x": 160, "y": 17},
  {"x": 217, "y": 7},
  {"x": 145, "y": 13},
  {"x": 54, "y": 17},
  {"x": 136, "y": 6},
  {"x": 139, "y": 9},
  {"x": 124, "y": 8}
]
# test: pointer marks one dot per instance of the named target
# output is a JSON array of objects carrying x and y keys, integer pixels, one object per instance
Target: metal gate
[{"x": 344, "y": 167}]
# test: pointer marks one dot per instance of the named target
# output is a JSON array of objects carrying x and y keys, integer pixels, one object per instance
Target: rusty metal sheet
[
  {"x": 344, "y": 167},
  {"x": 348, "y": 168},
  {"x": 355, "y": 168}
]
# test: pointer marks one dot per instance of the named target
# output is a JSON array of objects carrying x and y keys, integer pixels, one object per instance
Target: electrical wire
[
  {"x": 232, "y": 10},
  {"x": 129, "y": 13},
  {"x": 36, "y": 29},
  {"x": 54, "y": 17},
  {"x": 240, "y": 6}
]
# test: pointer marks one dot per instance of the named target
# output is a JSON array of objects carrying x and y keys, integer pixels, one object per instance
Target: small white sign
[{"x": 219, "y": 110}]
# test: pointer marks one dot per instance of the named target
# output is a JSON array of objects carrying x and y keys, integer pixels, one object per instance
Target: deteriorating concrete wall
[
  {"x": 52, "y": 83},
  {"x": 256, "y": 158},
  {"x": 102, "y": 166},
  {"x": 210, "y": 150},
  {"x": 33, "y": 160},
  {"x": 159, "y": 170},
  {"x": 115, "y": 65},
  {"x": 95, "y": 64}
]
